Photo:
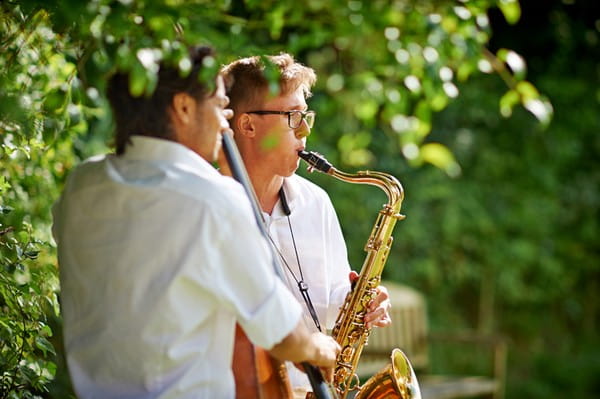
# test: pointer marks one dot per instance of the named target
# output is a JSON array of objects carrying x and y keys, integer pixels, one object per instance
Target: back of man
[{"x": 149, "y": 295}]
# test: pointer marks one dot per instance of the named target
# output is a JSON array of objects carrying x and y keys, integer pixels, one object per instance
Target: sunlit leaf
[
  {"x": 438, "y": 102},
  {"x": 507, "y": 102},
  {"x": 366, "y": 109},
  {"x": 358, "y": 157},
  {"x": 527, "y": 91},
  {"x": 511, "y": 10},
  {"x": 541, "y": 108},
  {"x": 137, "y": 80},
  {"x": 45, "y": 345},
  {"x": 439, "y": 155}
]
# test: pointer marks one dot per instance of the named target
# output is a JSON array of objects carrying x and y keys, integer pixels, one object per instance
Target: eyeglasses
[{"x": 295, "y": 117}]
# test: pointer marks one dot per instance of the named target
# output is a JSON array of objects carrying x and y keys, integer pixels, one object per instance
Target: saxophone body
[{"x": 397, "y": 380}]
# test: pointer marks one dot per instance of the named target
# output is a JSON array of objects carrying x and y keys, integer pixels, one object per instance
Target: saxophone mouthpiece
[{"x": 315, "y": 161}]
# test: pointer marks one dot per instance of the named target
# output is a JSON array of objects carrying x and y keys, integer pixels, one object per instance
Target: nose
[{"x": 303, "y": 130}]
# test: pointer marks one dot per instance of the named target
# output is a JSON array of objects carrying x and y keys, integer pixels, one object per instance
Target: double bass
[{"x": 258, "y": 375}]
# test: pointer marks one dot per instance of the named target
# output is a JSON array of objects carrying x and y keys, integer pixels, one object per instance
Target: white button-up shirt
[
  {"x": 321, "y": 251},
  {"x": 159, "y": 256}
]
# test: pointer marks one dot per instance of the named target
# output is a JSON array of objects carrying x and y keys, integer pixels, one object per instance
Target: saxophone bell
[{"x": 396, "y": 380}]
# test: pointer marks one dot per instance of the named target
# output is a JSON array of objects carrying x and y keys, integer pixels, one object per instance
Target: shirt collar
[
  {"x": 291, "y": 195},
  {"x": 147, "y": 148}
]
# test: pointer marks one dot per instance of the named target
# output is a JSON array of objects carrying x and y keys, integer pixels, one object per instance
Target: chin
[
  {"x": 296, "y": 166},
  {"x": 291, "y": 172}
]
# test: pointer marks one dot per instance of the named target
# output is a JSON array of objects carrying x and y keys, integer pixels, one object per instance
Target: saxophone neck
[{"x": 388, "y": 183}]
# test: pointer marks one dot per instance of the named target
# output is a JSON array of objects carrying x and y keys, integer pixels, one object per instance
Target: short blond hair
[{"x": 248, "y": 85}]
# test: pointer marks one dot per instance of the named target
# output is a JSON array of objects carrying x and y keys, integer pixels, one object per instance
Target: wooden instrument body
[{"x": 258, "y": 375}]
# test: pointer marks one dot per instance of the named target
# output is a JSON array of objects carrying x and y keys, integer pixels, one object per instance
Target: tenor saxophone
[{"x": 397, "y": 379}]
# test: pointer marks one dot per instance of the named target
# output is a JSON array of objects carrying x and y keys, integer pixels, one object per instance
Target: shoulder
[
  {"x": 158, "y": 184},
  {"x": 305, "y": 194},
  {"x": 302, "y": 187},
  {"x": 89, "y": 166},
  {"x": 221, "y": 194},
  {"x": 89, "y": 173}
]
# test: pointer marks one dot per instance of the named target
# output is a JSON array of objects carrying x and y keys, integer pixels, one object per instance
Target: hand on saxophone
[
  {"x": 378, "y": 314},
  {"x": 327, "y": 350},
  {"x": 315, "y": 348}
]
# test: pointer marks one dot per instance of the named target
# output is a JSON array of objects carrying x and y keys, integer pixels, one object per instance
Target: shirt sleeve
[{"x": 240, "y": 272}]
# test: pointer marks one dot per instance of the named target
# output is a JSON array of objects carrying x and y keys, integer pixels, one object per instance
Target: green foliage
[
  {"x": 27, "y": 296},
  {"x": 41, "y": 119},
  {"x": 413, "y": 88},
  {"x": 418, "y": 52},
  {"x": 510, "y": 245}
]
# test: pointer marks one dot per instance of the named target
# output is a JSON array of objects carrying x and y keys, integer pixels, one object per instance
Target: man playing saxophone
[{"x": 269, "y": 132}]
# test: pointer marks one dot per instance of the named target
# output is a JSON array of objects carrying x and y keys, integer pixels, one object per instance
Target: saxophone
[{"x": 397, "y": 379}]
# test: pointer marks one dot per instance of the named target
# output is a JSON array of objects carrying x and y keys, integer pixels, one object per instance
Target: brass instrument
[{"x": 397, "y": 380}]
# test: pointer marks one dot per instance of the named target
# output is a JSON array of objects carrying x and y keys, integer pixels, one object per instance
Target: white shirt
[
  {"x": 159, "y": 256},
  {"x": 321, "y": 251}
]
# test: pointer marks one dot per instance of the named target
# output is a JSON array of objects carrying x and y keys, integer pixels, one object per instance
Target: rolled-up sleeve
[
  {"x": 280, "y": 311},
  {"x": 241, "y": 274}
]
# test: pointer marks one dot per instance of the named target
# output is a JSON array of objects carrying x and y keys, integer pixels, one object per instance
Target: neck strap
[
  {"x": 284, "y": 203},
  {"x": 302, "y": 286}
]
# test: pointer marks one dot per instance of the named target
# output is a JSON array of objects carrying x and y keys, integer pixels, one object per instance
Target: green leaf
[
  {"x": 276, "y": 20},
  {"x": 4, "y": 209},
  {"x": 508, "y": 101},
  {"x": 515, "y": 62},
  {"x": 541, "y": 108},
  {"x": 366, "y": 110},
  {"x": 49, "y": 370},
  {"x": 511, "y": 10},
  {"x": 31, "y": 254},
  {"x": 439, "y": 155},
  {"x": 137, "y": 80},
  {"x": 527, "y": 91},
  {"x": 44, "y": 345}
]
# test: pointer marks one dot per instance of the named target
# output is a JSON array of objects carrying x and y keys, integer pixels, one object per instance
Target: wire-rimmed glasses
[{"x": 295, "y": 117}]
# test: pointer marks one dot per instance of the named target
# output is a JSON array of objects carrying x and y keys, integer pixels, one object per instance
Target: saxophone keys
[
  {"x": 345, "y": 356},
  {"x": 373, "y": 245}
]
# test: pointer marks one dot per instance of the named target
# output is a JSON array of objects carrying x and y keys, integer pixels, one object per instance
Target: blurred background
[{"x": 486, "y": 111}]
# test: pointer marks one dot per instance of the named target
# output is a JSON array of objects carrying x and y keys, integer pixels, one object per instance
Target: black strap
[
  {"x": 284, "y": 203},
  {"x": 302, "y": 286}
]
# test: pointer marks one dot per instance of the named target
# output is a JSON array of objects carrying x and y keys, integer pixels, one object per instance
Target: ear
[
  {"x": 245, "y": 126},
  {"x": 183, "y": 106}
]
